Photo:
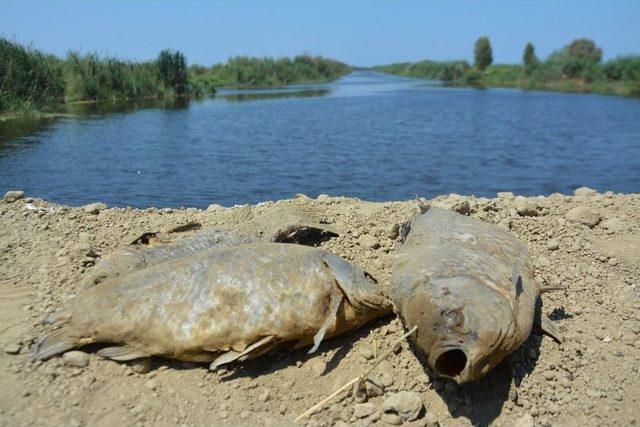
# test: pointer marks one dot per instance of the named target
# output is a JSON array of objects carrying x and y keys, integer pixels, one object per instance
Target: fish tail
[{"x": 54, "y": 343}]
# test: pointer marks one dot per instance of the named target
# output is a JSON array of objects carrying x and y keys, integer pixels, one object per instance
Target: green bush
[{"x": 172, "y": 66}]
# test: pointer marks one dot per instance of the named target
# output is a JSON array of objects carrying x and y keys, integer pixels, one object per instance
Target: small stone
[
  {"x": 553, "y": 244},
  {"x": 385, "y": 379},
  {"x": 264, "y": 396},
  {"x": 323, "y": 196},
  {"x": 616, "y": 225},
  {"x": 373, "y": 389},
  {"x": 430, "y": 420},
  {"x": 94, "y": 208},
  {"x": 583, "y": 215},
  {"x": 12, "y": 348},
  {"x": 75, "y": 358},
  {"x": 525, "y": 207},
  {"x": 363, "y": 410},
  {"x": 407, "y": 404},
  {"x": 392, "y": 419},
  {"x": 585, "y": 192},
  {"x": 214, "y": 207},
  {"x": 317, "y": 365},
  {"x": 368, "y": 241},
  {"x": 613, "y": 261},
  {"x": 141, "y": 366},
  {"x": 12, "y": 196},
  {"x": 151, "y": 384},
  {"x": 524, "y": 421},
  {"x": 366, "y": 353}
]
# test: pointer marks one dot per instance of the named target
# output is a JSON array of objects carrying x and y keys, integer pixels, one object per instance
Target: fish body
[
  {"x": 469, "y": 287},
  {"x": 222, "y": 304}
]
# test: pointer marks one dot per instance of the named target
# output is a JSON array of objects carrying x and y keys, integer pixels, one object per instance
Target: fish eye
[{"x": 451, "y": 363}]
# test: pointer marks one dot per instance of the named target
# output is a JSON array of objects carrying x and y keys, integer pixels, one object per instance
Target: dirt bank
[{"x": 588, "y": 243}]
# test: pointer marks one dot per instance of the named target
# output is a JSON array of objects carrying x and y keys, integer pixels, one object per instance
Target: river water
[{"x": 368, "y": 135}]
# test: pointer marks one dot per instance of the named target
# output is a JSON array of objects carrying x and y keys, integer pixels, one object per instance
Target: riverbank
[{"x": 588, "y": 244}]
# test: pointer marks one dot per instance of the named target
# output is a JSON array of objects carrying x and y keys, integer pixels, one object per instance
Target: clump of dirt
[{"x": 587, "y": 244}]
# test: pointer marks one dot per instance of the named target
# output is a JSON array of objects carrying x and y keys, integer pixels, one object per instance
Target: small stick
[{"x": 359, "y": 378}]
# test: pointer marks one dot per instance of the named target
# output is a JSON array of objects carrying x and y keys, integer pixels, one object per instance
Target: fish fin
[
  {"x": 247, "y": 353},
  {"x": 122, "y": 353},
  {"x": 332, "y": 312},
  {"x": 54, "y": 343},
  {"x": 548, "y": 327}
]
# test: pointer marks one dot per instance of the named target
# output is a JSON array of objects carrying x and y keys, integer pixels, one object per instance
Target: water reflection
[
  {"x": 238, "y": 96},
  {"x": 15, "y": 128},
  {"x": 113, "y": 107}
]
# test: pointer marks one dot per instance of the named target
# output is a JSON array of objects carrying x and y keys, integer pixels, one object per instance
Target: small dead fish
[
  {"x": 219, "y": 305},
  {"x": 470, "y": 289}
]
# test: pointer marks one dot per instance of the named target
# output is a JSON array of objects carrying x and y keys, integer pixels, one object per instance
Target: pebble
[
  {"x": 407, "y": 404},
  {"x": 616, "y": 225},
  {"x": 366, "y": 353},
  {"x": 553, "y": 244},
  {"x": 585, "y": 192},
  {"x": 368, "y": 241},
  {"x": 141, "y": 366},
  {"x": 75, "y": 358},
  {"x": 392, "y": 419},
  {"x": 363, "y": 410},
  {"x": 12, "y": 196},
  {"x": 583, "y": 215},
  {"x": 317, "y": 365},
  {"x": 151, "y": 384},
  {"x": 264, "y": 396},
  {"x": 525, "y": 207},
  {"x": 524, "y": 421},
  {"x": 12, "y": 348},
  {"x": 94, "y": 208},
  {"x": 214, "y": 207}
]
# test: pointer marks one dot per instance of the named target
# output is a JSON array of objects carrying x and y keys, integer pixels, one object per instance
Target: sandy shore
[{"x": 588, "y": 243}]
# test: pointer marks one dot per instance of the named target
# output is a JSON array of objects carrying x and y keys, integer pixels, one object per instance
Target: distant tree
[
  {"x": 584, "y": 49},
  {"x": 482, "y": 53},
  {"x": 172, "y": 66},
  {"x": 529, "y": 58}
]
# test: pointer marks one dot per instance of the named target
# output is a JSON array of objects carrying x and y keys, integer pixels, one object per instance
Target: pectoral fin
[
  {"x": 122, "y": 353},
  {"x": 332, "y": 312},
  {"x": 255, "y": 349},
  {"x": 549, "y": 328}
]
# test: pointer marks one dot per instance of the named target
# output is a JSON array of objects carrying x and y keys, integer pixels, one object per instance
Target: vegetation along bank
[
  {"x": 32, "y": 81},
  {"x": 577, "y": 67}
]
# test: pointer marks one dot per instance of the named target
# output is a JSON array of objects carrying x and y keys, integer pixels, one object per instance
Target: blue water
[{"x": 368, "y": 135}]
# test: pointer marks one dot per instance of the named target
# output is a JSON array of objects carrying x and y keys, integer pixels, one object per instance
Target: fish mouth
[{"x": 450, "y": 363}]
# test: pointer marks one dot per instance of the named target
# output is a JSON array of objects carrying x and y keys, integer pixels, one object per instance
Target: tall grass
[
  {"x": 29, "y": 79},
  {"x": 33, "y": 81}
]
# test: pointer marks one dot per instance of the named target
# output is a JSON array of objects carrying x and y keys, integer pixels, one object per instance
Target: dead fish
[
  {"x": 219, "y": 305},
  {"x": 470, "y": 289}
]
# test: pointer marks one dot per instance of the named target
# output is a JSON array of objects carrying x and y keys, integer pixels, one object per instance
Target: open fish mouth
[{"x": 450, "y": 362}]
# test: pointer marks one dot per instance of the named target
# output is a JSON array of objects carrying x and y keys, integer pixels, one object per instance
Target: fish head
[{"x": 464, "y": 327}]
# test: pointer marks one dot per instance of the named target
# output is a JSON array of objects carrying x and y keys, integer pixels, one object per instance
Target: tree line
[{"x": 577, "y": 66}]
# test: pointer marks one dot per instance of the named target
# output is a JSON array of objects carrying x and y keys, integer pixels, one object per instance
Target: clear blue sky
[{"x": 358, "y": 32}]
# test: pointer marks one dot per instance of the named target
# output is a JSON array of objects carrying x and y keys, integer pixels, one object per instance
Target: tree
[
  {"x": 482, "y": 53},
  {"x": 585, "y": 49},
  {"x": 172, "y": 67},
  {"x": 529, "y": 58}
]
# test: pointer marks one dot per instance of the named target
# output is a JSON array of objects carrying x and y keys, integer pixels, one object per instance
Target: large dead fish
[
  {"x": 469, "y": 287},
  {"x": 220, "y": 305}
]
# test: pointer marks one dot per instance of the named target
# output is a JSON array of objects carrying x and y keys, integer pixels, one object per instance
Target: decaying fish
[
  {"x": 219, "y": 305},
  {"x": 286, "y": 224},
  {"x": 469, "y": 287}
]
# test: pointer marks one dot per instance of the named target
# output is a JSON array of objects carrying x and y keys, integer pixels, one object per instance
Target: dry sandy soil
[{"x": 588, "y": 243}]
